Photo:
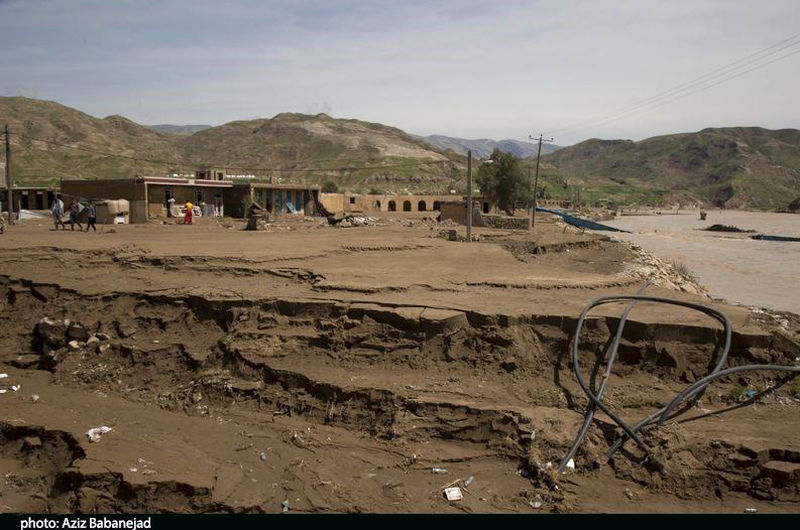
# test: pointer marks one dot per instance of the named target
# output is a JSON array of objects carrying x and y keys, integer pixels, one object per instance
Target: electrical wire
[{"x": 715, "y": 77}]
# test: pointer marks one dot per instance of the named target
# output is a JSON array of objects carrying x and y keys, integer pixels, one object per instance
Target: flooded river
[{"x": 731, "y": 265}]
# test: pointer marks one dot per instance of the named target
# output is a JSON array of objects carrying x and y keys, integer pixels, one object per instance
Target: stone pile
[{"x": 60, "y": 337}]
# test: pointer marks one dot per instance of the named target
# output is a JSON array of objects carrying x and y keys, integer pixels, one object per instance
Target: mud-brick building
[
  {"x": 148, "y": 196},
  {"x": 278, "y": 199},
  {"x": 29, "y": 198},
  {"x": 352, "y": 202}
]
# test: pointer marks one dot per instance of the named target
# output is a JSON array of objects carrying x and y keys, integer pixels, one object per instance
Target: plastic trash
[
  {"x": 468, "y": 481},
  {"x": 15, "y": 387},
  {"x": 3, "y": 376},
  {"x": 95, "y": 433},
  {"x": 285, "y": 506},
  {"x": 263, "y": 456},
  {"x": 439, "y": 470},
  {"x": 751, "y": 510},
  {"x": 749, "y": 394},
  {"x": 453, "y": 494},
  {"x": 571, "y": 463}
]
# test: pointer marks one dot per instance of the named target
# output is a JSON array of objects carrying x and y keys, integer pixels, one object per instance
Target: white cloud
[{"x": 474, "y": 69}]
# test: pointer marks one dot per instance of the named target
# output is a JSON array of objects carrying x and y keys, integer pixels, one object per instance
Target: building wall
[
  {"x": 356, "y": 203},
  {"x": 333, "y": 202},
  {"x": 457, "y": 211}
]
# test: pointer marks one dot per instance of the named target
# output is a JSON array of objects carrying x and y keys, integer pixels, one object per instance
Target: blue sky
[{"x": 468, "y": 68}]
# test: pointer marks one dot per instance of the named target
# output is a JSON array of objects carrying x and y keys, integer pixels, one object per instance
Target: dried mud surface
[{"x": 332, "y": 370}]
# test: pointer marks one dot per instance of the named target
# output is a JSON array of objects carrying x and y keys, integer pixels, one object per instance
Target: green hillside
[{"x": 732, "y": 167}]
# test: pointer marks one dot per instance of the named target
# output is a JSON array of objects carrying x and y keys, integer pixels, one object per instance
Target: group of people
[{"x": 75, "y": 208}]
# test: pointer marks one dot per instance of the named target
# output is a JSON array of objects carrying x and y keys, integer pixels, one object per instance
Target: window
[
  {"x": 406, "y": 206},
  {"x": 392, "y": 206},
  {"x": 421, "y": 206},
  {"x": 352, "y": 200}
]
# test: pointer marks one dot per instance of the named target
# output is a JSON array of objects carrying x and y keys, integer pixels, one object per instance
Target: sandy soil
[
  {"x": 314, "y": 368},
  {"x": 733, "y": 266}
]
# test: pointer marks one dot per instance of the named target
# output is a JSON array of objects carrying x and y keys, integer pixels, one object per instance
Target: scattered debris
[
  {"x": 95, "y": 433},
  {"x": 725, "y": 228},
  {"x": 453, "y": 494},
  {"x": 751, "y": 510},
  {"x": 469, "y": 481},
  {"x": 3, "y": 376},
  {"x": 285, "y": 506},
  {"x": 571, "y": 463},
  {"x": 438, "y": 471}
]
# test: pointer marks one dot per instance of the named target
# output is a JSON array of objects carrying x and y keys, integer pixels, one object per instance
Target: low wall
[{"x": 504, "y": 221}]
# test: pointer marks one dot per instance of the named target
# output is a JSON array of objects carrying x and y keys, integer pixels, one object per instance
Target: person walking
[
  {"x": 170, "y": 204},
  {"x": 74, "y": 211},
  {"x": 187, "y": 216},
  {"x": 57, "y": 209},
  {"x": 91, "y": 210}
]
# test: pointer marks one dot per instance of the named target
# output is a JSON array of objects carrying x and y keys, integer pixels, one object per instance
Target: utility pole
[
  {"x": 9, "y": 187},
  {"x": 469, "y": 195},
  {"x": 536, "y": 181}
]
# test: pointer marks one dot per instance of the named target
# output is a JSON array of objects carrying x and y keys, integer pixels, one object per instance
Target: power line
[
  {"x": 233, "y": 168},
  {"x": 714, "y": 77}
]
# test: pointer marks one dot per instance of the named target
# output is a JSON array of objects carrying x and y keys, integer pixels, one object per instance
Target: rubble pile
[
  {"x": 59, "y": 338},
  {"x": 647, "y": 266}
]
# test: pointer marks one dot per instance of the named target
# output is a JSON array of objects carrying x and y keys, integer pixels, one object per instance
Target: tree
[
  {"x": 503, "y": 182},
  {"x": 330, "y": 186}
]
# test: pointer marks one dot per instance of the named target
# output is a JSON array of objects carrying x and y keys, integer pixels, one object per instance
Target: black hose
[
  {"x": 704, "y": 382},
  {"x": 594, "y": 399},
  {"x": 591, "y": 408}
]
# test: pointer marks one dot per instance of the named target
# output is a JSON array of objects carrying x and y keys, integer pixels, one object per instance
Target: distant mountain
[
  {"x": 731, "y": 167},
  {"x": 51, "y": 141},
  {"x": 484, "y": 147},
  {"x": 178, "y": 129}
]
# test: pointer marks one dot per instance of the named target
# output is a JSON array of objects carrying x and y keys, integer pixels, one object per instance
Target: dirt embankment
[{"x": 265, "y": 404}]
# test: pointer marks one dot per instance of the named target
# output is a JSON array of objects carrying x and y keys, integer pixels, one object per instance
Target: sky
[{"x": 466, "y": 68}]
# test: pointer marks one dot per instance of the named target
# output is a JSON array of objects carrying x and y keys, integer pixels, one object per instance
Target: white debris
[
  {"x": 571, "y": 464},
  {"x": 15, "y": 387},
  {"x": 453, "y": 494},
  {"x": 3, "y": 376},
  {"x": 3, "y": 390},
  {"x": 34, "y": 397},
  {"x": 95, "y": 433}
]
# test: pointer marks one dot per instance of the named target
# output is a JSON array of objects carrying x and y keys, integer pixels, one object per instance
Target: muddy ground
[{"x": 311, "y": 368}]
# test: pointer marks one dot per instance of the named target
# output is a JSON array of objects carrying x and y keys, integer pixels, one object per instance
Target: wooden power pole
[
  {"x": 469, "y": 195},
  {"x": 9, "y": 187},
  {"x": 536, "y": 181}
]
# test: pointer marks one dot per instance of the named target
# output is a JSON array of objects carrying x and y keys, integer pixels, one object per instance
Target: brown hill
[
  {"x": 732, "y": 167},
  {"x": 51, "y": 141}
]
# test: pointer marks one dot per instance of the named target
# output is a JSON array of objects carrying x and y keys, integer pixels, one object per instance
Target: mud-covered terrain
[{"x": 309, "y": 368}]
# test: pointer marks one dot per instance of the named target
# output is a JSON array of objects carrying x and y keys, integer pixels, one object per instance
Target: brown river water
[{"x": 732, "y": 266}]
